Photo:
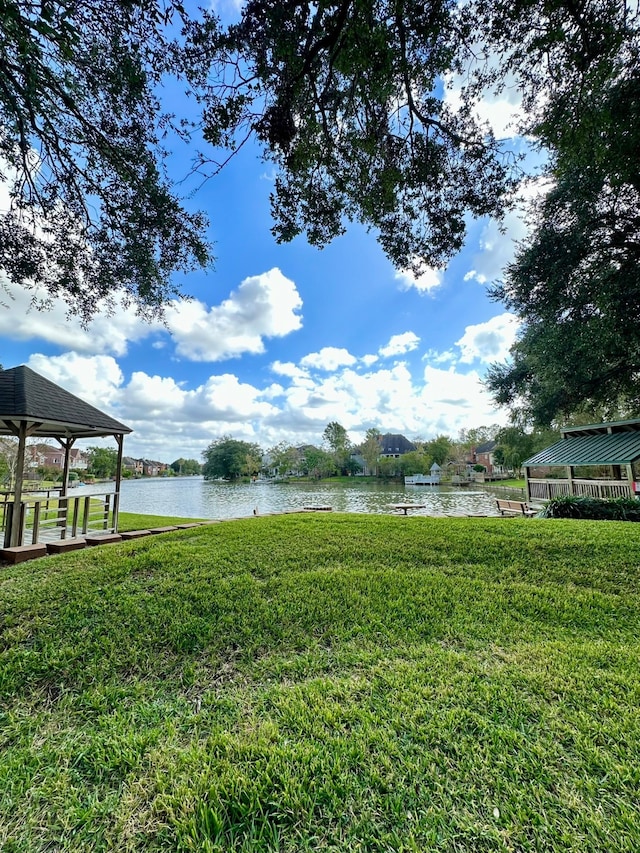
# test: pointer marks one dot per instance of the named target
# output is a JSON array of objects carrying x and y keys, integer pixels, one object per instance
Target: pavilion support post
[
  {"x": 116, "y": 501},
  {"x": 570, "y": 478},
  {"x": 632, "y": 490},
  {"x": 16, "y": 518},
  {"x": 66, "y": 444},
  {"x": 63, "y": 504},
  {"x": 527, "y": 489}
]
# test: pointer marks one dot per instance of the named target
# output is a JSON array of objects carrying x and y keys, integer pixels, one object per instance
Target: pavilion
[
  {"x": 598, "y": 460},
  {"x": 34, "y": 407}
]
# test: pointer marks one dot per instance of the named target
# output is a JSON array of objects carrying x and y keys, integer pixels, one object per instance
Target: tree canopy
[
  {"x": 354, "y": 103},
  {"x": 92, "y": 215},
  {"x": 575, "y": 283},
  {"x": 230, "y": 458}
]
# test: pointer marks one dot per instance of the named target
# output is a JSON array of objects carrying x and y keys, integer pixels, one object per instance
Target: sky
[{"x": 277, "y": 341}]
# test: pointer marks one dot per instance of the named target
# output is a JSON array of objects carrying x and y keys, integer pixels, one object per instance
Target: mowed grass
[{"x": 326, "y": 683}]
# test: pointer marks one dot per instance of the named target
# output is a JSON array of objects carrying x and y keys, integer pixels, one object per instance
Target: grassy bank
[{"x": 326, "y": 683}]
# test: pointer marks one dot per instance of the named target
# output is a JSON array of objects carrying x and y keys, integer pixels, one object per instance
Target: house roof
[
  {"x": 486, "y": 446},
  {"x": 25, "y": 396},
  {"x": 615, "y": 448},
  {"x": 396, "y": 443}
]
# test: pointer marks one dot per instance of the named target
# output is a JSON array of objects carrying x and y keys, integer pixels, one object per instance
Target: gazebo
[
  {"x": 34, "y": 407},
  {"x": 612, "y": 446}
]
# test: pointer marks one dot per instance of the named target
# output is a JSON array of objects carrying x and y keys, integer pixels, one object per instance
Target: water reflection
[{"x": 193, "y": 497}]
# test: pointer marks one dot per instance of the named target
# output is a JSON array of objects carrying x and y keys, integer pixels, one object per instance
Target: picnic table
[{"x": 406, "y": 507}]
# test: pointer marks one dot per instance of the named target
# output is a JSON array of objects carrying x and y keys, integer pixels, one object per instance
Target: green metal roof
[{"x": 618, "y": 448}]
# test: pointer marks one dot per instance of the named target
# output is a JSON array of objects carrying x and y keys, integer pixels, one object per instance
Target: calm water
[{"x": 193, "y": 497}]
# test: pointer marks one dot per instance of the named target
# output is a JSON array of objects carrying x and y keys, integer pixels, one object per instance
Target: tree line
[
  {"x": 229, "y": 458},
  {"x": 350, "y": 102}
]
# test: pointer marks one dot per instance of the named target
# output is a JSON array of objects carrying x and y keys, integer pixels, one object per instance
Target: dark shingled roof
[
  {"x": 27, "y": 396},
  {"x": 393, "y": 443}
]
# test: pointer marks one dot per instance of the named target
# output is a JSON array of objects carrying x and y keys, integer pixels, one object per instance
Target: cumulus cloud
[
  {"x": 171, "y": 420},
  {"x": 21, "y": 320},
  {"x": 328, "y": 358},
  {"x": 428, "y": 280},
  {"x": 400, "y": 344},
  {"x": 490, "y": 341},
  {"x": 263, "y": 306}
]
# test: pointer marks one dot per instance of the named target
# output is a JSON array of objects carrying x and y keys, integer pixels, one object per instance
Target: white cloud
[
  {"x": 263, "y": 306},
  {"x": 490, "y": 341},
  {"x": 328, "y": 358},
  {"x": 95, "y": 379},
  {"x": 502, "y": 111},
  {"x": 497, "y": 242},
  {"x": 435, "y": 357},
  {"x": 428, "y": 280},
  {"x": 171, "y": 420},
  {"x": 21, "y": 320},
  {"x": 400, "y": 344}
]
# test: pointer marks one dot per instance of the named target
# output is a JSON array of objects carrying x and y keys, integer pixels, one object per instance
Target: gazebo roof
[
  {"x": 616, "y": 448},
  {"x": 52, "y": 412}
]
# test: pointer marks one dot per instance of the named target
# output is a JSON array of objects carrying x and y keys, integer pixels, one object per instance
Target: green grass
[
  {"x": 138, "y": 521},
  {"x": 326, "y": 683}
]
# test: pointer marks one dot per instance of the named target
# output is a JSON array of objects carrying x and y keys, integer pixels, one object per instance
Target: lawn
[{"x": 326, "y": 683}]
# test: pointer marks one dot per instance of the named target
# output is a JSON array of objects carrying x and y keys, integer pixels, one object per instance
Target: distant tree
[
  {"x": 231, "y": 458},
  {"x": 415, "y": 462},
  {"x": 8, "y": 457},
  {"x": 284, "y": 458},
  {"x": 49, "y": 472},
  {"x": 370, "y": 450},
  {"x": 352, "y": 466},
  {"x": 318, "y": 462},
  {"x": 102, "y": 461},
  {"x": 439, "y": 449},
  {"x": 336, "y": 438},
  {"x": 186, "y": 467}
]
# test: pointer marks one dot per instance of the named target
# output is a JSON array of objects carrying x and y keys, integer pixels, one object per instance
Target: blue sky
[{"x": 279, "y": 340}]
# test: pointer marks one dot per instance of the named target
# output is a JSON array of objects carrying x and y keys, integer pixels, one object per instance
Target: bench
[
  {"x": 406, "y": 507},
  {"x": 506, "y": 507}
]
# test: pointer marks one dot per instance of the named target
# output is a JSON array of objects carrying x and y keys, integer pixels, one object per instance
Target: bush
[{"x": 597, "y": 509}]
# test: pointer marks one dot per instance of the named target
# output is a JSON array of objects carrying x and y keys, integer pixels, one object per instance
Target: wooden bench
[{"x": 506, "y": 507}]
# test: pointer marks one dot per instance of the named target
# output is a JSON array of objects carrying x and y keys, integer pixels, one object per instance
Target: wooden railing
[
  {"x": 545, "y": 490},
  {"x": 45, "y": 519}
]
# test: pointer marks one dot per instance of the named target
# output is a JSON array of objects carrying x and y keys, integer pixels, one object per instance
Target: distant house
[
  {"x": 483, "y": 455},
  {"x": 394, "y": 445},
  {"x": 46, "y": 455}
]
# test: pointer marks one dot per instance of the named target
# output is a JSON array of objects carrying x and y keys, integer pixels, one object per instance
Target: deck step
[
  {"x": 134, "y": 534},
  {"x": 21, "y": 553},
  {"x": 167, "y": 529},
  {"x": 103, "y": 539},
  {"x": 64, "y": 545}
]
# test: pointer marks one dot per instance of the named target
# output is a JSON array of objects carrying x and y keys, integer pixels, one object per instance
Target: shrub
[{"x": 582, "y": 506}]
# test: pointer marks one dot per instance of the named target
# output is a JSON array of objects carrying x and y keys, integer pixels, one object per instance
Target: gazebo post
[
  {"x": 66, "y": 444},
  {"x": 570, "y": 478},
  {"x": 630, "y": 479},
  {"x": 16, "y": 518},
  {"x": 116, "y": 507}
]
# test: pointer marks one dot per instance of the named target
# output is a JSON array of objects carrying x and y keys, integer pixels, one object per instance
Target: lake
[{"x": 194, "y": 497}]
